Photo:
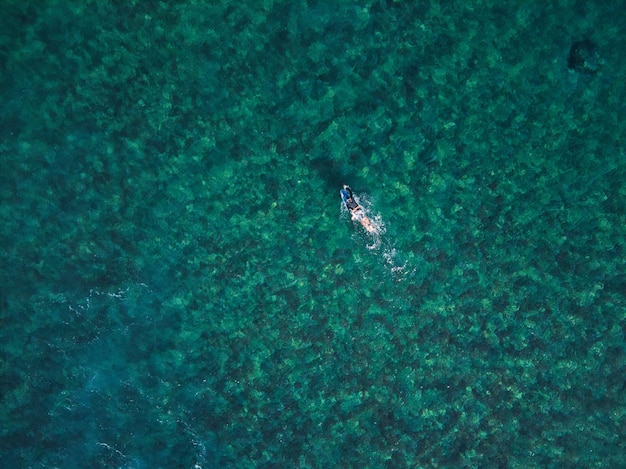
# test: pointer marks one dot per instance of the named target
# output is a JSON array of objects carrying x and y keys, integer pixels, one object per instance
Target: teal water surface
[{"x": 182, "y": 288}]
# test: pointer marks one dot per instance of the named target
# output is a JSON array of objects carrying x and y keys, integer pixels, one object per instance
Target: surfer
[{"x": 356, "y": 211}]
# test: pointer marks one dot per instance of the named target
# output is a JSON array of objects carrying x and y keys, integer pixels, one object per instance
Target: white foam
[{"x": 376, "y": 241}]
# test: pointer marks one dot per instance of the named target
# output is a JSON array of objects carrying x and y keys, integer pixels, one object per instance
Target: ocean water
[{"x": 181, "y": 287}]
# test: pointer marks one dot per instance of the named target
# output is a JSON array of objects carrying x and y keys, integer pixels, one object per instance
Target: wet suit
[{"x": 348, "y": 199}]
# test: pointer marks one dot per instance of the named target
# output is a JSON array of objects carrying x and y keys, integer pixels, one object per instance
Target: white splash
[{"x": 375, "y": 239}]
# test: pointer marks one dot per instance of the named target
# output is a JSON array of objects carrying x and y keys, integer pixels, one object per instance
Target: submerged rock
[{"x": 584, "y": 57}]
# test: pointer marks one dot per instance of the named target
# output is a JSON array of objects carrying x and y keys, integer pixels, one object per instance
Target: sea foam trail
[{"x": 378, "y": 242}]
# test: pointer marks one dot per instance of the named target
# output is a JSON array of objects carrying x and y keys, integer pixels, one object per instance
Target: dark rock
[{"x": 584, "y": 57}]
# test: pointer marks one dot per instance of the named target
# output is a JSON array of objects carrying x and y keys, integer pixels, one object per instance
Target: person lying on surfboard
[{"x": 356, "y": 211}]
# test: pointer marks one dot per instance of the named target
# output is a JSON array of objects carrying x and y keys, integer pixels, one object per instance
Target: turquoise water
[{"x": 182, "y": 288}]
